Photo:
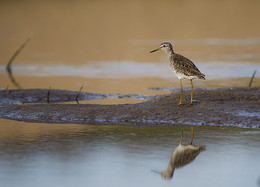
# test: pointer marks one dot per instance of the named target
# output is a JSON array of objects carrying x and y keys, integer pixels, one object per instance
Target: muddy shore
[{"x": 238, "y": 107}]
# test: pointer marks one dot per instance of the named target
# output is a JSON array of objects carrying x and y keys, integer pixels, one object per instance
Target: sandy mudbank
[{"x": 238, "y": 107}]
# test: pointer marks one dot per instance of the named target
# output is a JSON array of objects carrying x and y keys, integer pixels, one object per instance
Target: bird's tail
[
  {"x": 202, "y": 148},
  {"x": 202, "y": 76}
]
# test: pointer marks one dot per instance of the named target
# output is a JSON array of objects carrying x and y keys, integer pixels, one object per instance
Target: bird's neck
[
  {"x": 170, "y": 169},
  {"x": 169, "y": 53}
]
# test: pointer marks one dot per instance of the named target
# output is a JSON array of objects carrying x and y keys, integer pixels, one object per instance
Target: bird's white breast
[{"x": 181, "y": 75}]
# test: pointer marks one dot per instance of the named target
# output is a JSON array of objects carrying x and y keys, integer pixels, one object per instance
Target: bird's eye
[{"x": 163, "y": 45}]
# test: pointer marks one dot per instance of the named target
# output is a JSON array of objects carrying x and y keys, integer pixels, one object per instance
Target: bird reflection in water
[{"x": 182, "y": 155}]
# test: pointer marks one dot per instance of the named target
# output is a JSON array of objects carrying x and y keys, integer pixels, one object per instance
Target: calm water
[
  {"x": 74, "y": 155},
  {"x": 105, "y": 46}
]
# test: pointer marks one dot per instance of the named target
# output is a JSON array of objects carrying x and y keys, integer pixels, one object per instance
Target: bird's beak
[{"x": 155, "y": 50}]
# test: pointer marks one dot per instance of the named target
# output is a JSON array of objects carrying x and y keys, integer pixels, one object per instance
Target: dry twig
[
  {"x": 252, "y": 78},
  {"x": 48, "y": 95},
  {"x": 78, "y": 94},
  {"x": 8, "y": 66}
]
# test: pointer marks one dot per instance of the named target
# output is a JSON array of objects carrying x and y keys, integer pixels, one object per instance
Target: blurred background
[{"x": 105, "y": 44}]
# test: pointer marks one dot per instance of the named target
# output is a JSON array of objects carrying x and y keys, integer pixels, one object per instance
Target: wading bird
[{"x": 181, "y": 66}]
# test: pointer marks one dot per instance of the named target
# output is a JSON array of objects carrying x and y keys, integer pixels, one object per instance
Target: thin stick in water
[
  {"x": 8, "y": 66},
  {"x": 48, "y": 95},
  {"x": 78, "y": 94},
  {"x": 252, "y": 78}
]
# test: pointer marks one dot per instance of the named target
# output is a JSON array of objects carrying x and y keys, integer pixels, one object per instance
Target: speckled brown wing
[
  {"x": 187, "y": 155},
  {"x": 186, "y": 66}
]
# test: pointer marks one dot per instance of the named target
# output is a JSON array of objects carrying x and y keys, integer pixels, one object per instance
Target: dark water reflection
[
  {"x": 182, "y": 155},
  {"x": 124, "y": 156}
]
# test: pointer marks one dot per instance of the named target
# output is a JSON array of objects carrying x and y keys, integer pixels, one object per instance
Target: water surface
[
  {"x": 104, "y": 45},
  {"x": 69, "y": 155}
]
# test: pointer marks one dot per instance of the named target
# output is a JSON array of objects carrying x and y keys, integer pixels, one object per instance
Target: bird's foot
[
  {"x": 180, "y": 104},
  {"x": 190, "y": 104}
]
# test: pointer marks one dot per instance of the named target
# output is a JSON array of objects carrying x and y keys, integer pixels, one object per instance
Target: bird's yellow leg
[
  {"x": 192, "y": 135},
  {"x": 181, "y": 136},
  {"x": 180, "y": 103},
  {"x": 191, "y": 92}
]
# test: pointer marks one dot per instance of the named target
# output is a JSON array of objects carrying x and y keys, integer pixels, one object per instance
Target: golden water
[
  {"x": 81, "y": 33},
  {"x": 71, "y": 37}
]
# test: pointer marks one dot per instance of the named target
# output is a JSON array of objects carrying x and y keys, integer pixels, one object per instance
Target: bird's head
[{"x": 165, "y": 46}]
